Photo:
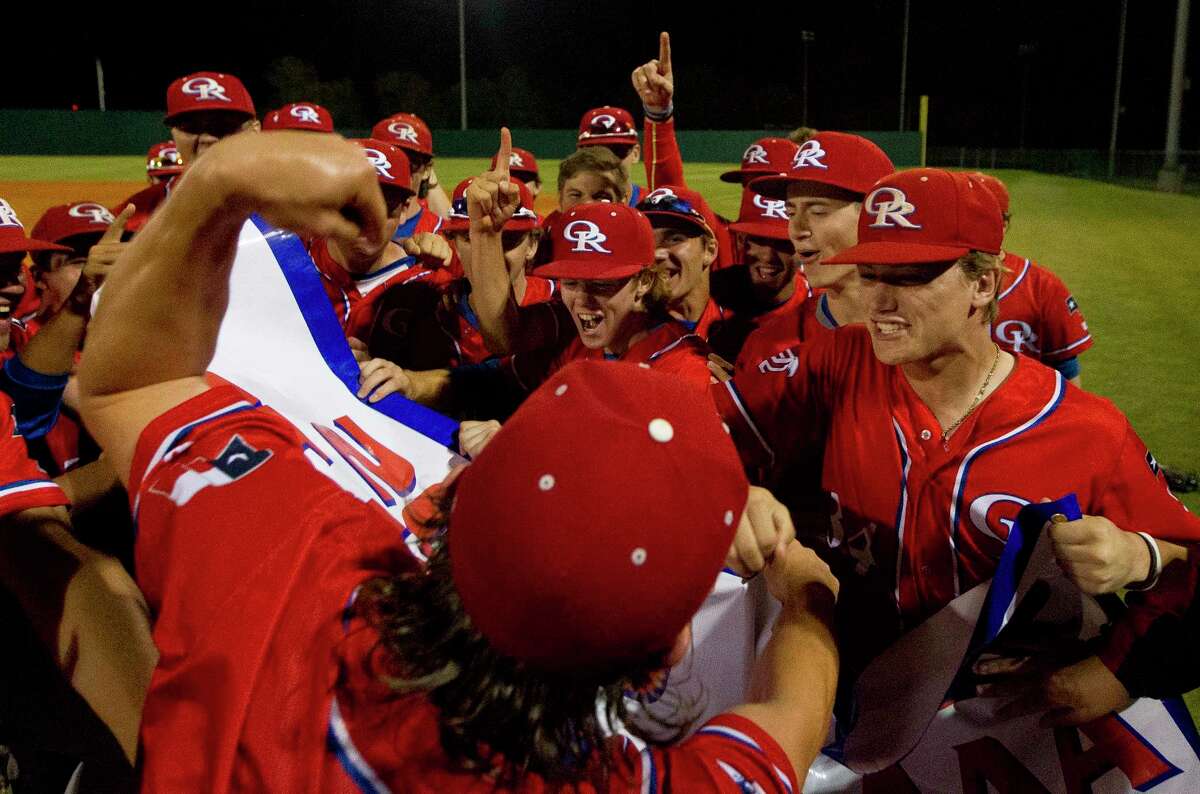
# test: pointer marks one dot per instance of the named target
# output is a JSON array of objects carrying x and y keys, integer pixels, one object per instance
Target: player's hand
[
  {"x": 765, "y": 527},
  {"x": 474, "y": 436},
  {"x": 1099, "y": 556},
  {"x": 1070, "y": 695},
  {"x": 654, "y": 80},
  {"x": 431, "y": 250},
  {"x": 358, "y": 348},
  {"x": 315, "y": 185},
  {"x": 378, "y": 377},
  {"x": 795, "y": 572},
  {"x": 492, "y": 197},
  {"x": 100, "y": 260}
]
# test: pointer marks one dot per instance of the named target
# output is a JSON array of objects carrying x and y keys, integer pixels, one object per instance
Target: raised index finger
[
  {"x": 504, "y": 155},
  {"x": 113, "y": 233},
  {"x": 664, "y": 53}
]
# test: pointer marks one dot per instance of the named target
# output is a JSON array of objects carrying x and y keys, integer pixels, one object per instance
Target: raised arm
[
  {"x": 156, "y": 328},
  {"x": 655, "y": 83}
]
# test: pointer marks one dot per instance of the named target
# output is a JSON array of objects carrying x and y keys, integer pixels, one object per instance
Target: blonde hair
[
  {"x": 974, "y": 265},
  {"x": 658, "y": 294},
  {"x": 597, "y": 160}
]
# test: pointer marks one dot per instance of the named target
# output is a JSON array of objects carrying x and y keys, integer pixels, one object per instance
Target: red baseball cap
[
  {"x": 305, "y": 116},
  {"x": 522, "y": 220},
  {"x": 164, "y": 159},
  {"x": 68, "y": 220},
  {"x": 599, "y": 241},
  {"x": 614, "y": 526},
  {"x": 521, "y": 163},
  {"x": 12, "y": 234},
  {"x": 761, "y": 216},
  {"x": 407, "y": 131},
  {"x": 607, "y": 125},
  {"x": 850, "y": 162},
  {"x": 207, "y": 91},
  {"x": 764, "y": 156},
  {"x": 391, "y": 165},
  {"x": 676, "y": 201},
  {"x": 994, "y": 186},
  {"x": 924, "y": 215}
]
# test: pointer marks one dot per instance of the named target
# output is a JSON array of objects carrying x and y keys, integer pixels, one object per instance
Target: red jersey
[
  {"x": 249, "y": 558},
  {"x": 23, "y": 484},
  {"x": 787, "y": 327},
  {"x": 468, "y": 341},
  {"x": 1038, "y": 315},
  {"x": 745, "y": 314},
  {"x": 713, "y": 312},
  {"x": 669, "y": 347},
  {"x": 918, "y": 522}
]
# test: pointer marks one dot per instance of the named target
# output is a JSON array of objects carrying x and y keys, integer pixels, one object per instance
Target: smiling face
[
  {"x": 55, "y": 275},
  {"x": 11, "y": 291},
  {"x": 770, "y": 263},
  {"x": 606, "y": 313},
  {"x": 917, "y": 313},
  {"x": 822, "y": 222},
  {"x": 685, "y": 255}
]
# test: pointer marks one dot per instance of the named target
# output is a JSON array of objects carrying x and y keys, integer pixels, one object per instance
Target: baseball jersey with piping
[{"x": 1038, "y": 315}]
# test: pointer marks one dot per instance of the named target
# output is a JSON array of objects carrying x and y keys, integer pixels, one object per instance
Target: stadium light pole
[
  {"x": 1170, "y": 177},
  {"x": 904, "y": 64},
  {"x": 1116, "y": 117},
  {"x": 806, "y": 38},
  {"x": 462, "y": 64},
  {"x": 100, "y": 82}
]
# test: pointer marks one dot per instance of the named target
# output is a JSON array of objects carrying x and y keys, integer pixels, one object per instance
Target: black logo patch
[
  {"x": 1072, "y": 306},
  {"x": 1151, "y": 462},
  {"x": 239, "y": 458}
]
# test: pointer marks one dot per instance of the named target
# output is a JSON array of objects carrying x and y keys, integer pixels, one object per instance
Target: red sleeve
[
  {"x": 664, "y": 163},
  {"x": 1065, "y": 332},
  {"x": 729, "y": 754},
  {"x": 23, "y": 484}
]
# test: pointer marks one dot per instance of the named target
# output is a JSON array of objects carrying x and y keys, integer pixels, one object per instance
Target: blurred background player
[
  {"x": 302, "y": 116},
  {"x": 523, "y": 166},
  {"x": 613, "y": 128},
  {"x": 202, "y": 108},
  {"x": 163, "y": 162},
  {"x": 411, "y": 134}
]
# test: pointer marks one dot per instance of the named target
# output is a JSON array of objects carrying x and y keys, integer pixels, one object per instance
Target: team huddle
[{"x": 852, "y": 389}]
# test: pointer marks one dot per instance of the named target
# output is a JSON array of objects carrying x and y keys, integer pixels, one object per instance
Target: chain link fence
[{"x": 1133, "y": 167}]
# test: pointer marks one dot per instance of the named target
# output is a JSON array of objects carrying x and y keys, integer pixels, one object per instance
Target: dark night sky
[{"x": 737, "y": 69}]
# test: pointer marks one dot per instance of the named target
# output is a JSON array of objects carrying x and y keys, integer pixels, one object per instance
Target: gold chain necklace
[{"x": 975, "y": 403}]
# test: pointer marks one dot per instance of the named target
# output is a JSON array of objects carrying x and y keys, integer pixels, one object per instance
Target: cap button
[
  {"x": 638, "y": 557},
  {"x": 546, "y": 482},
  {"x": 661, "y": 430}
]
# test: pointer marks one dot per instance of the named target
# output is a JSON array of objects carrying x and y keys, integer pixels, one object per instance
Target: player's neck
[
  {"x": 516, "y": 278},
  {"x": 953, "y": 384},
  {"x": 692, "y": 305},
  {"x": 639, "y": 325}
]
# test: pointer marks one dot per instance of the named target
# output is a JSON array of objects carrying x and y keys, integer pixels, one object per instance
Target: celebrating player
[
  {"x": 302, "y": 116},
  {"x": 163, "y": 162},
  {"x": 409, "y": 132},
  {"x": 428, "y": 680}
]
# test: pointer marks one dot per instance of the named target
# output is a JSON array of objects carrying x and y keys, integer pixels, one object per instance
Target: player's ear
[{"x": 710, "y": 250}]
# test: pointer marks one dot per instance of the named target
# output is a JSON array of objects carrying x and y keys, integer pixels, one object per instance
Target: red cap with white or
[
  {"x": 924, "y": 215},
  {"x": 598, "y": 241},
  {"x": 67, "y": 220},
  {"x": 407, "y": 131},
  {"x": 676, "y": 201},
  {"x": 391, "y": 165},
  {"x": 207, "y": 91},
  {"x": 163, "y": 159},
  {"x": 12, "y": 234},
  {"x": 305, "y": 116},
  {"x": 761, "y": 216},
  {"x": 522, "y": 220},
  {"x": 607, "y": 125},
  {"x": 994, "y": 186},
  {"x": 614, "y": 526},
  {"x": 849, "y": 162},
  {"x": 521, "y": 163},
  {"x": 764, "y": 156}
]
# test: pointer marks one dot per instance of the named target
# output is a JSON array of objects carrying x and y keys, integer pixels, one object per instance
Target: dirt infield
[{"x": 31, "y": 199}]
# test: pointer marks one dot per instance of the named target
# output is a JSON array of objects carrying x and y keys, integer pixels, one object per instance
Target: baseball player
[
  {"x": 934, "y": 437},
  {"x": 613, "y": 128},
  {"x": 247, "y": 553},
  {"x": 1038, "y": 315},
  {"x": 301, "y": 116},
  {"x": 523, "y": 166},
  {"x": 163, "y": 162},
  {"x": 202, "y": 108},
  {"x": 411, "y": 134}
]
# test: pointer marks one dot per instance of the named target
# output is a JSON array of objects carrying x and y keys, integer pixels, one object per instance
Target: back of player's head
[
  {"x": 998, "y": 190},
  {"x": 595, "y": 160}
]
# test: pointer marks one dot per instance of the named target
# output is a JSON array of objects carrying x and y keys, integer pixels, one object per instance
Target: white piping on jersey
[
  {"x": 356, "y": 766},
  {"x": 1071, "y": 346},
  {"x": 649, "y": 773},
  {"x": 1016, "y": 281},
  {"x": 902, "y": 510},
  {"x": 824, "y": 315},
  {"x": 25, "y": 486},
  {"x": 730, "y": 733},
  {"x": 737, "y": 401},
  {"x": 658, "y": 353},
  {"x": 960, "y": 479}
]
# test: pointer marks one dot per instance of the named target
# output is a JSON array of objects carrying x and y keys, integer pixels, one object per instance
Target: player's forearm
[
  {"x": 436, "y": 198},
  {"x": 491, "y": 293},
  {"x": 794, "y": 701},
  {"x": 51, "y": 351}
]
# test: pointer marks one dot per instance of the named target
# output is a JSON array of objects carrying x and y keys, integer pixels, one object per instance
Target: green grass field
[{"x": 1128, "y": 256}]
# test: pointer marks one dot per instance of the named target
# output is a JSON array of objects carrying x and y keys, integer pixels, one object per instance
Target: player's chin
[{"x": 891, "y": 350}]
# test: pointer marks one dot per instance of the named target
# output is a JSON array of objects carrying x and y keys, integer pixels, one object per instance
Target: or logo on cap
[
  {"x": 772, "y": 208},
  {"x": 404, "y": 131},
  {"x": 8, "y": 216},
  {"x": 605, "y": 119},
  {"x": 890, "y": 207},
  {"x": 755, "y": 155},
  {"x": 515, "y": 161},
  {"x": 97, "y": 213},
  {"x": 205, "y": 89},
  {"x": 586, "y": 236},
  {"x": 306, "y": 113},
  {"x": 661, "y": 195},
  {"x": 809, "y": 155},
  {"x": 381, "y": 162}
]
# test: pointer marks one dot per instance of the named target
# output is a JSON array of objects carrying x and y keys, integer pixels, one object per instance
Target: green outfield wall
[{"x": 94, "y": 132}]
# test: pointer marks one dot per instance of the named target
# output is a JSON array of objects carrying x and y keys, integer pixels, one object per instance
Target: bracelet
[
  {"x": 1155, "y": 566},
  {"x": 659, "y": 116}
]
